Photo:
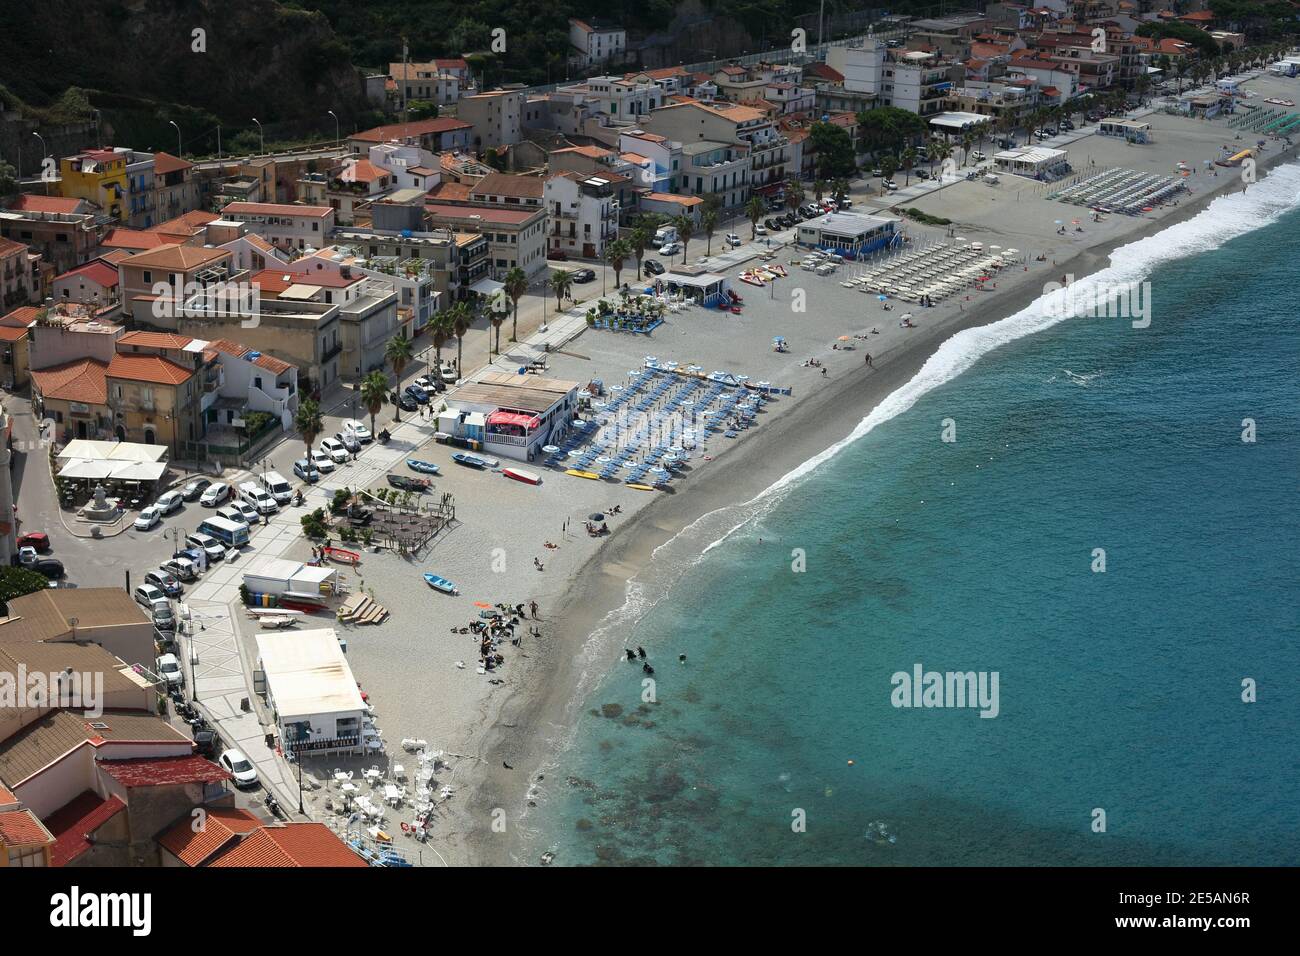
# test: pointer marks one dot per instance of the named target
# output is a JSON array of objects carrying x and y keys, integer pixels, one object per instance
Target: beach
[{"x": 409, "y": 665}]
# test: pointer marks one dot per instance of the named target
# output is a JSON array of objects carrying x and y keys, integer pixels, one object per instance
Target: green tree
[
  {"x": 888, "y": 165},
  {"x": 561, "y": 285},
  {"x": 685, "y": 228},
  {"x": 374, "y": 394},
  {"x": 398, "y": 354},
  {"x": 516, "y": 285},
  {"x": 833, "y": 149},
  {"x": 617, "y": 253},
  {"x": 708, "y": 223},
  {"x": 909, "y": 160},
  {"x": 754, "y": 209},
  {"x": 309, "y": 422},
  {"x": 440, "y": 332},
  {"x": 793, "y": 194},
  {"x": 889, "y": 128},
  {"x": 15, "y": 581},
  {"x": 819, "y": 188},
  {"x": 461, "y": 320}
]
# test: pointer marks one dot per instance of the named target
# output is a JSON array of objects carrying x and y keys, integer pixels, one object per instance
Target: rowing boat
[
  {"x": 428, "y": 467},
  {"x": 469, "y": 461},
  {"x": 440, "y": 584},
  {"x": 519, "y": 474}
]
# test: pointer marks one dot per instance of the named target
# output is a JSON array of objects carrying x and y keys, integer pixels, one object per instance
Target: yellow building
[{"x": 96, "y": 175}]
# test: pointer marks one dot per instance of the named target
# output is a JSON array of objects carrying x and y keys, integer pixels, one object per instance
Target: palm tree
[
  {"x": 398, "y": 354},
  {"x": 754, "y": 209},
  {"x": 617, "y": 253},
  {"x": 793, "y": 193},
  {"x": 819, "y": 187},
  {"x": 909, "y": 159},
  {"x": 309, "y": 422},
  {"x": 685, "y": 227},
  {"x": 639, "y": 240},
  {"x": 440, "y": 332},
  {"x": 516, "y": 284},
  {"x": 497, "y": 319},
  {"x": 709, "y": 222},
  {"x": 561, "y": 284},
  {"x": 461, "y": 320},
  {"x": 967, "y": 141},
  {"x": 374, "y": 392}
]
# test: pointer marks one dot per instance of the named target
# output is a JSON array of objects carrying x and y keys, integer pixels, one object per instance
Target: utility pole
[
  {"x": 405, "y": 54},
  {"x": 821, "y": 13}
]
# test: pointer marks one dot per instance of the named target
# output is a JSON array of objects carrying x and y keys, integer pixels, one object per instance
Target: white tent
[
  {"x": 98, "y": 469},
  {"x": 87, "y": 468},
  {"x": 113, "y": 450}
]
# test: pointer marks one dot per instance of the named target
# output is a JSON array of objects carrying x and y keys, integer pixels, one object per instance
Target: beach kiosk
[
  {"x": 1131, "y": 130},
  {"x": 706, "y": 288},
  {"x": 274, "y": 582},
  {"x": 310, "y": 690},
  {"x": 850, "y": 234},
  {"x": 1035, "y": 162},
  {"x": 511, "y": 415}
]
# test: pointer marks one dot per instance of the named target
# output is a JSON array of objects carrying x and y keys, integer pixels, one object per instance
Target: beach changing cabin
[{"x": 1135, "y": 131}]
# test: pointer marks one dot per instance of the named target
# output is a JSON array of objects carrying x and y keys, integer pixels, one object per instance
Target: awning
[
  {"x": 85, "y": 468},
  {"x": 514, "y": 418},
  {"x": 486, "y": 286}
]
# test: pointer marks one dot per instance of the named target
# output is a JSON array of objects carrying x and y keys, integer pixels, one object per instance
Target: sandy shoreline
[{"x": 524, "y": 727}]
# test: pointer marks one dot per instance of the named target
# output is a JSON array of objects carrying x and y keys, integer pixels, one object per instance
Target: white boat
[
  {"x": 519, "y": 474},
  {"x": 273, "y": 612}
]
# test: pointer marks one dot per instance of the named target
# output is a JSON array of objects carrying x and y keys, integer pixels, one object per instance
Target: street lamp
[
  {"x": 261, "y": 140},
  {"x": 178, "y": 138},
  {"x": 306, "y": 732},
  {"x": 336, "y": 124},
  {"x": 45, "y": 182}
]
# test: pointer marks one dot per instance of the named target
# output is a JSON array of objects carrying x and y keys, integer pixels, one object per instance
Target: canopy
[
  {"x": 514, "y": 418},
  {"x": 113, "y": 450},
  {"x": 486, "y": 286},
  {"x": 90, "y": 468},
  {"x": 83, "y": 468}
]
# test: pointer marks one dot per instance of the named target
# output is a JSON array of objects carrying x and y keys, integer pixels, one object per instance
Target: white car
[
  {"x": 323, "y": 462},
  {"x": 147, "y": 596},
  {"x": 148, "y": 518},
  {"x": 216, "y": 494},
  {"x": 426, "y": 383},
  {"x": 447, "y": 373},
  {"x": 169, "y": 669},
  {"x": 247, "y": 510},
  {"x": 670, "y": 248},
  {"x": 334, "y": 448},
  {"x": 357, "y": 429},
  {"x": 256, "y": 495},
  {"x": 239, "y": 767},
  {"x": 169, "y": 501},
  {"x": 209, "y": 545},
  {"x": 732, "y": 239},
  {"x": 760, "y": 230}
]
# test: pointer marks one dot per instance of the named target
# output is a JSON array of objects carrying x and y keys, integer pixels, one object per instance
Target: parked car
[
  {"x": 164, "y": 619},
  {"x": 322, "y": 462},
  {"x": 334, "y": 448},
  {"x": 417, "y": 393},
  {"x": 447, "y": 372},
  {"x": 165, "y": 582},
  {"x": 238, "y": 766},
  {"x": 182, "y": 569},
  {"x": 760, "y": 230},
  {"x": 36, "y": 540},
  {"x": 348, "y": 441},
  {"x": 878, "y": 172},
  {"x": 357, "y": 429},
  {"x": 557, "y": 255},
  {"x": 407, "y": 403},
  {"x": 209, "y": 545},
  {"x": 148, "y": 595},
  {"x": 235, "y": 515},
  {"x": 653, "y": 267},
  {"x": 920, "y": 173},
  {"x": 670, "y": 248},
  {"x": 846, "y": 203},
  {"x": 247, "y": 510},
  {"x": 732, "y": 239},
  {"x": 890, "y": 185},
  {"x": 148, "y": 517},
  {"x": 52, "y": 568},
  {"x": 1067, "y": 125},
  {"x": 169, "y": 501},
  {"x": 205, "y": 743},
  {"x": 977, "y": 156},
  {"x": 169, "y": 669},
  {"x": 773, "y": 224},
  {"x": 584, "y": 275},
  {"x": 216, "y": 494},
  {"x": 258, "y": 497},
  {"x": 306, "y": 470},
  {"x": 195, "y": 488},
  {"x": 426, "y": 382}
]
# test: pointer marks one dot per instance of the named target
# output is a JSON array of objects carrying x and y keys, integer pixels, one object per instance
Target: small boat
[
  {"x": 257, "y": 612},
  {"x": 469, "y": 461},
  {"x": 428, "y": 467},
  {"x": 751, "y": 278},
  {"x": 641, "y": 487},
  {"x": 440, "y": 584},
  {"x": 779, "y": 270},
  {"x": 277, "y": 622},
  {"x": 582, "y": 474},
  {"x": 341, "y": 554},
  {"x": 519, "y": 474}
]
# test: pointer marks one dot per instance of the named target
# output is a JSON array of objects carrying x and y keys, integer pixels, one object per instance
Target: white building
[
  {"x": 511, "y": 415},
  {"x": 411, "y": 167},
  {"x": 310, "y": 689},
  {"x": 594, "y": 42},
  {"x": 583, "y": 214},
  {"x": 913, "y": 81},
  {"x": 285, "y": 226},
  {"x": 251, "y": 252},
  {"x": 620, "y": 99},
  {"x": 255, "y": 381},
  {"x": 848, "y": 233},
  {"x": 496, "y": 116},
  {"x": 1036, "y": 162}
]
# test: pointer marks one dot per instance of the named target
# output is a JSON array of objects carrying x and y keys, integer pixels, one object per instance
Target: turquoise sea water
[{"x": 1119, "y": 690}]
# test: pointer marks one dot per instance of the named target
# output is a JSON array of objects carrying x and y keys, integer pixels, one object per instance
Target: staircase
[{"x": 360, "y": 609}]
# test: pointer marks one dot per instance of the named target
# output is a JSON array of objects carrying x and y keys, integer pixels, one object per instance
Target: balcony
[{"x": 330, "y": 352}]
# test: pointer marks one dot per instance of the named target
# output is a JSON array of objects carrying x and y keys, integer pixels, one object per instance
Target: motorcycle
[
  {"x": 384, "y": 436},
  {"x": 273, "y": 805},
  {"x": 297, "y": 498}
]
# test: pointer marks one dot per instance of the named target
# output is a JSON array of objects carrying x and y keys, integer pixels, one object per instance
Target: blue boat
[
  {"x": 469, "y": 461},
  {"x": 428, "y": 467},
  {"x": 440, "y": 584}
]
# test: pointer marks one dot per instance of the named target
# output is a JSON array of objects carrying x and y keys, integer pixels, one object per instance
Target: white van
[
  {"x": 279, "y": 489},
  {"x": 256, "y": 496},
  {"x": 665, "y": 234}
]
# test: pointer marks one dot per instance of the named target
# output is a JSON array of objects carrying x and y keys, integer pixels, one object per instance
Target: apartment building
[
  {"x": 696, "y": 122},
  {"x": 153, "y": 283},
  {"x": 439, "y": 81},
  {"x": 596, "y": 41},
  {"x": 96, "y": 283},
  {"x": 497, "y": 117},
  {"x": 97, "y": 176},
  {"x": 413, "y": 279},
  {"x": 716, "y": 169},
  {"x": 65, "y": 232},
  {"x": 438, "y": 135},
  {"x": 583, "y": 214},
  {"x": 288, "y": 227},
  {"x": 176, "y": 189},
  {"x": 916, "y": 81},
  {"x": 619, "y": 100},
  {"x": 19, "y": 275},
  {"x": 411, "y": 167}
]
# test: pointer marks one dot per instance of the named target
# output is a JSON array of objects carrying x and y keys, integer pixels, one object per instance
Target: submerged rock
[{"x": 611, "y": 710}]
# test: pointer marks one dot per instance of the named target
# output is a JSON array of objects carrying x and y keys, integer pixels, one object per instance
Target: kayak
[
  {"x": 640, "y": 487},
  {"x": 428, "y": 467},
  {"x": 519, "y": 474},
  {"x": 440, "y": 584},
  {"x": 582, "y": 474}
]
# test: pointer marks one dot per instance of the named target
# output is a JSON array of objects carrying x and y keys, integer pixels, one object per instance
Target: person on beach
[
  {"x": 640, "y": 652},
  {"x": 869, "y": 365},
  {"x": 631, "y": 654},
  {"x": 538, "y": 565},
  {"x": 823, "y": 372},
  {"x": 647, "y": 668},
  {"x": 532, "y": 607}
]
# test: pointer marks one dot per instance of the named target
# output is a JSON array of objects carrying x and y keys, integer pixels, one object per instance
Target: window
[{"x": 148, "y": 278}]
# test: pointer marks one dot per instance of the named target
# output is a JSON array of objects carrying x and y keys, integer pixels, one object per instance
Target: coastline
[{"x": 526, "y": 727}]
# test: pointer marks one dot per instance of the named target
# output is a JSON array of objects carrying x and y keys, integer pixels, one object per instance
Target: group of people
[
  {"x": 504, "y": 623},
  {"x": 640, "y": 655}
]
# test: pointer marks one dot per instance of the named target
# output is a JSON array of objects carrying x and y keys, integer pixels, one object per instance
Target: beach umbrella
[
  {"x": 881, "y": 298},
  {"x": 596, "y": 517},
  {"x": 1059, "y": 222},
  {"x": 907, "y": 315},
  {"x": 844, "y": 338}
]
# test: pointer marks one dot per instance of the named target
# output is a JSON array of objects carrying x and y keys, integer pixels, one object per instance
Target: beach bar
[
  {"x": 850, "y": 234},
  {"x": 707, "y": 288},
  {"x": 1134, "y": 131},
  {"x": 310, "y": 690},
  {"x": 511, "y": 415},
  {"x": 1036, "y": 162}
]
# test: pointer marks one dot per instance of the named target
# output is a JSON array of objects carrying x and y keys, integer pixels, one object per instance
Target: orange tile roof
[
  {"x": 10, "y": 334},
  {"x": 382, "y": 134},
  {"x": 96, "y": 271},
  {"x": 7, "y": 798},
  {"x": 362, "y": 171},
  {"x": 164, "y": 163},
  {"x": 132, "y": 239},
  {"x": 504, "y": 184},
  {"x": 672, "y": 197},
  {"x": 29, "y": 202},
  {"x": 177, "y": 257},
  {"x": 268, "y": 362},
  {"x": 290, "y": 845},
  {"x": 147, "y": 368},
  {"x": 76, "y": 821},
  {"x": 155, "y": 340},
  {"x": 81, "y": 380},
  {"x": 220, "y": 826},
  {"x": 21, "y": 317},
  {"x": 592, "y": 152},
  {"x": 451, "y": 191},
  {"x": 21, "y": 828}
]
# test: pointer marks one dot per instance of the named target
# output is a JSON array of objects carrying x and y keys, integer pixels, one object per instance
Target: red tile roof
[
  {"x": 382, "y": 134},
  {"x": 268, "y": 362},
  {"x": 503, "y": 184},
  {"x": 75, "y": 821},
  {"x": 6, "y": 797},
  {"x": 501, "y": 215},
  {"x": 155, "y": 340},
  {"x": 291, "y": 845},
  {"x": 21, "y": 828},
  {"x": 21, "y": 317},
  {"x": 220, "y": 826},
  {"x": 81, "y": 380},
  {"x": 276, "y": 209},
  {"x": 163, "y": 771},
  {"x": 96, "y": 271},
  {"x": 10, "y": 334},
  {"x": 29, "y": 202},
  {"x": 147, "y": 368},
  {"x": 164, "y": 163},
  {"x": 120, "y": 238},
  {"x": 452, "y": 192}
]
